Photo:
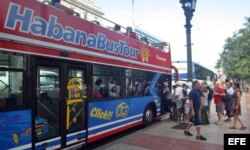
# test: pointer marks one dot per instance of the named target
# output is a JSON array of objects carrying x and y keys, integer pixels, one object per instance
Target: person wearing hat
[{"x": 178, "y": 99}]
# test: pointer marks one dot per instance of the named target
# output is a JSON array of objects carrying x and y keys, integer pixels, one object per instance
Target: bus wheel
[{"x": 148, "y": 116}]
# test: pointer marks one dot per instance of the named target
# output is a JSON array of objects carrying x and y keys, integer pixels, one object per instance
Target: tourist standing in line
[
  {"x": 237, "y": 107},
  {"x": 204, "y": 102},
  {"x": 186, "y": 105},
  {"x": 229, "y": 103},
  {"x": 210, "y": 94},
  {"x": 218, "y": 93},
  {"x": 178, "y": 99},
  {"x": 195, "y": 105}
]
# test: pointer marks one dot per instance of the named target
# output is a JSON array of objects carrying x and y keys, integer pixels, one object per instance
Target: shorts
[
  {"x": 178, "y": 103},
  {"x": 186, "y": 108},
  {"x": 219, "y": 107},
  {"x": 196, "y": 119}
]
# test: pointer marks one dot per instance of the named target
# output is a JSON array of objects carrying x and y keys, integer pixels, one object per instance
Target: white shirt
[
  {"x": 178, "y": 91},
  {"x": 204, "y": 99},
  {"x": 230, "y": 91},
  {"x": 210, "y": 84},
  {"x": 188, "y": 91}
]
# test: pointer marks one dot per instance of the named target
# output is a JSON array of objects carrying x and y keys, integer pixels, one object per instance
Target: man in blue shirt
[{"x": 195, "y": 104}]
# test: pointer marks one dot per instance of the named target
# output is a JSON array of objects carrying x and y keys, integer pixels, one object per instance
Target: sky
[{"x": 213, "y": 22}]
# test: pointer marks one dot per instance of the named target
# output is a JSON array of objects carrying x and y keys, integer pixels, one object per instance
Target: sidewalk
[{"x": 162, "y": 136}]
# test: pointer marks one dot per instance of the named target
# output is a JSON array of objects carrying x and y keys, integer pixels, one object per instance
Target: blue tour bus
[
  {"x": 199, "y": 72},
  {"x": 66, "y": 81}
]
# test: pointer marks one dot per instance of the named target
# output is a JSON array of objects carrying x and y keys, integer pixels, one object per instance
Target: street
[{"x": 167, "y": 134}]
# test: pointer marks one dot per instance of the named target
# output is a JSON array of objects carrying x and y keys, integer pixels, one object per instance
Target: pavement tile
[
  {"x": 187, "y": 145},
  {"x": 161, "y": 143},
  {"x": 124, "y": 147}
]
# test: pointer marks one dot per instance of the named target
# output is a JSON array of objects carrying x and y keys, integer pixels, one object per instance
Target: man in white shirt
[
  {"x": 178, "y": 99},
  {"x": 229, "y": 103},
  {"x": 204, "y": 103},
  {"x": 230, "y": 90},
  {"x": 210, "y": 83}
]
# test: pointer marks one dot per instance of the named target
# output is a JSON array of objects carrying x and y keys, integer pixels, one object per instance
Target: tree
[{"x": 235, "y": 57}]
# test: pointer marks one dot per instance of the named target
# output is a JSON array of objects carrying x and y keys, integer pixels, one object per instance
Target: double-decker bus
[
  {"x": 66, "y": 81},
  {"x": 199, "y": 72}
]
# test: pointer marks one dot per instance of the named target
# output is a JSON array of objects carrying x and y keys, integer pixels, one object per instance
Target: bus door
[
  {"x": 60, "y": 104},
  {"x": 76, "y": 104}
]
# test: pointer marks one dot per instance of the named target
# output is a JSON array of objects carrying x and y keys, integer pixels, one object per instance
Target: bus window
[
  {"x": 10, "y": 60},
  {"x": 100, "y": 89},
  {"x": 107, "y": 81},
  {"x": 135, "y": 82},
  {"x": 47, "y": 103},
  {"x": 11, "y": 93},
  {"x": 11, "y": 80},
  {"x": 135, "y": 88},
  {"x": 114, "y": 87},
  {"x": 107, "y": 70}
]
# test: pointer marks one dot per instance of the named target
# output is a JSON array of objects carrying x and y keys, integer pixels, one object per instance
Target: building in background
[{"x": 86, "y": 8}]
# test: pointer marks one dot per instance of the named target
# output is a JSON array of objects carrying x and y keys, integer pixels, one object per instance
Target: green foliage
[{"x": 235, "y": 57}]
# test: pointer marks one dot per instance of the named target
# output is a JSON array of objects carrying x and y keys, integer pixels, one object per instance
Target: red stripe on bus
[
  {"x": 24, "y": 48},
  {"x": 103, "y": 135}
]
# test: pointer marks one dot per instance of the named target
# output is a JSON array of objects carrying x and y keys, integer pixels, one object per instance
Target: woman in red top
[{"x": 218, "y": 93}]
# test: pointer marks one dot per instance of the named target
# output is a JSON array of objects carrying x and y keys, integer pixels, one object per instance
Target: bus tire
[{"x": 148, "y": 115}]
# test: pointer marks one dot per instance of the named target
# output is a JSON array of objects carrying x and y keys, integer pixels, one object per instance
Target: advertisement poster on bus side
[{"x": 15, "y": 129}]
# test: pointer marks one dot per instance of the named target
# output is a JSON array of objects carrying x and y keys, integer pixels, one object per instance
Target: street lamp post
[
  {"x": 133, "y": 13},
  {"x": 189, "y": 7}
]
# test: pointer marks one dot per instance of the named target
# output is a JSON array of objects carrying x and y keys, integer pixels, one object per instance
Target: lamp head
[
  {"x": 189, "y": 4},
  {"x": 194, "y": 4}
]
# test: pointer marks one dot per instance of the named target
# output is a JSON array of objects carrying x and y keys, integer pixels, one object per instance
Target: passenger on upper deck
[
  {"x": 130, "y": 33},
  {"x": 96, "y": 22},
  {"x": 56, "y": 3},
  {"x": 117, "y": 28},
  {"x": 145, "y": 40}
]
